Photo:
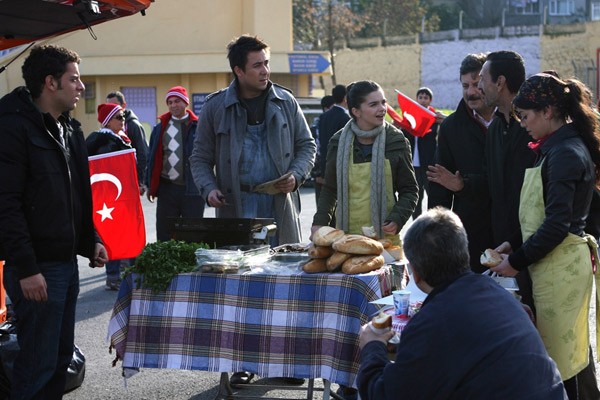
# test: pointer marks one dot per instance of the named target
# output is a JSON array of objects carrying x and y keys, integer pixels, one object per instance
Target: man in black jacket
[
  {"x": 46, "y": 217},
  {"x": 461, "y": 149},
  {"x": 470, "y": 340},
  {"x": 507, "y": 155},
  {"x": 330, "y": 122}
]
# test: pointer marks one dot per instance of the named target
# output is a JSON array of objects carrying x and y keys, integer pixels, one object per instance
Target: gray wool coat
[{"x": 218, "y": 147}]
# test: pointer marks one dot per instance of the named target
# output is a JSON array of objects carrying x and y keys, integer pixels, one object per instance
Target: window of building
[
  {"x": 595, "y": 12},
  {"x": 142, "y": 101},
  {"x": 525, "y": 6},
  {"x": 562, "y": 7},
  {"x": 89, "y": 95}
]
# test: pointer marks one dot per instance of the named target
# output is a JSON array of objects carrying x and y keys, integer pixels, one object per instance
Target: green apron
[
  {"x": 359, "y": 197},
  {"x": 562, "y": 284}
]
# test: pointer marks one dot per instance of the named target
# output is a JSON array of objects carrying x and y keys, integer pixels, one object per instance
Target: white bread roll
[
  {"x": 490, "y": 258},
  {"x": 382, "y": 321},
  {"x": 315, "y": 265},
  {"x": 362, "y": 264},
  {"x": 336, "y": 260},
  {"x": 320, "y": 251},
  {"x": 326, "y": 235},
  {"x": 358, "y": 244}
]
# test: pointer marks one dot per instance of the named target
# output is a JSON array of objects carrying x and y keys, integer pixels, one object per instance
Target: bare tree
[
  {"x": 398, "y": 17},
  {"x": 482, "y": 13},
  {"x": 319, "y": 24}
]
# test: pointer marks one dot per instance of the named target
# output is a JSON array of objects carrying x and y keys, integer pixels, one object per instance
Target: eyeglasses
[{"x": 120, "y": 117}]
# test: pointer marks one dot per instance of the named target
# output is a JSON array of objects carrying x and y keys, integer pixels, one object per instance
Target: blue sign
[
  {"x": 307, "y": 63},
  {"x": 198, "y": 100}
]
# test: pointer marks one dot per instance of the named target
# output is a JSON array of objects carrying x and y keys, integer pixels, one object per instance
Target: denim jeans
[
  {"x": 45, "y": 331},
  {"x": 173, "y": 202}
]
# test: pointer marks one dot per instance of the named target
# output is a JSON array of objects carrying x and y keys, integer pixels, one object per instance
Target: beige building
[{"x": 178, "y": 43}]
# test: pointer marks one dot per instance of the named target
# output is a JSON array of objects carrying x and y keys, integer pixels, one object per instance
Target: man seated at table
[{"x": 471, "y": 339}]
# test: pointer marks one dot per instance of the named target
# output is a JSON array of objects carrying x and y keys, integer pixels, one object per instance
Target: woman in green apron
[
  {"x": 369, "y": 178},
  {"x": 554, "y": 204}
]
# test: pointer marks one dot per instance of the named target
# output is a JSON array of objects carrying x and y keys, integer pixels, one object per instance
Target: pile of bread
[{"x": 333, "y": 250}]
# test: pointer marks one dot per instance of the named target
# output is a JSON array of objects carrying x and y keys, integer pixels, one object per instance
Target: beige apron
[
  {"x": 359, "y": 197},
  {"x": 562, "y": 284}
]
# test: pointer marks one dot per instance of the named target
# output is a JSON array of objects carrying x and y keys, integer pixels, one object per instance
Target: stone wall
[{"x": 571, "y": 52}]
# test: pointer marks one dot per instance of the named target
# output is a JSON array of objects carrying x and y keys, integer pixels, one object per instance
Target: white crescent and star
[{"x": 105, "y": 212}]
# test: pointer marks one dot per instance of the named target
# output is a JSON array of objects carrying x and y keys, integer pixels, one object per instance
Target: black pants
[
  {"x": 421, "y": 175},
  {"x": 172, "y": 202}
]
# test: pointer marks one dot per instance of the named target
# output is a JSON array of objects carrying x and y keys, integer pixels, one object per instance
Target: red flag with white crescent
[
  {"x": 118, "y": 214},
  {"x": 416, "y": 119}
]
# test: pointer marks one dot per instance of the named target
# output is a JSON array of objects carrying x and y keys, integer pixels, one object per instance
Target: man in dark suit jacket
[
  {"x": 461, "y": 147},
  {"x": 330, "y": 122},
  {"x": 423, "y": 148}
]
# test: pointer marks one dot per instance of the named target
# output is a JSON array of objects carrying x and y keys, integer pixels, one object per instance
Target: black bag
[{"x": 9, "y": 349}]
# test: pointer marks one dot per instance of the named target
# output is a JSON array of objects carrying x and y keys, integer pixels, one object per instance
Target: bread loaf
[
  {"x": 490, "y": 258},
  {"x": 320, "y": 251},
  {"x": 315, "y": 265},
  {"x": 385, "y": 242},
  {"x": 326, "y": 235},
  {"x": 336, "y": 260},
  {"x": 361, "y": 264},
  {"x": 358, "y": 244}
]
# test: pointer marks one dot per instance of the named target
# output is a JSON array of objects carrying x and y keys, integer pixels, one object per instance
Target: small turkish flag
[
  {"x": 416, "y": 119},
  {"x": 118, "y": 215}
]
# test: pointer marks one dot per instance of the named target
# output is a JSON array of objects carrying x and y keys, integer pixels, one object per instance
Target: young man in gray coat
[{"x": 250, "y": 133}]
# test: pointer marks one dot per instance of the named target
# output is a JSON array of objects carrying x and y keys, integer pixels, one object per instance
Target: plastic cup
[{"x": 401, "y": 301}]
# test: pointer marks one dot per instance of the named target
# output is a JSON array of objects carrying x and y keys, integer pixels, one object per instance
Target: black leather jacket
[
  {"x": 568, "y": 176},
  {"x": 45, "y": 194}
]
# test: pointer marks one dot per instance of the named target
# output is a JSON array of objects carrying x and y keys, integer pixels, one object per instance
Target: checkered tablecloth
[{"x": 300, "y": 325}]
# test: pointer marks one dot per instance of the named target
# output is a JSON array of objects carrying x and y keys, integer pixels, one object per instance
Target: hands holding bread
[{"x": 497, "y": 260}]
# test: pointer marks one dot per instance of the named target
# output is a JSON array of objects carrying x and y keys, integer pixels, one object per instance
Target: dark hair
[
  {"x": 338, "y": 93},
  {"x": 425, "y": 90},
  {"x": 509, "y": 64},
  {"x": 472, "y": 63},
  {"x": 571, "y": 99},
  {"x": 436, "y": 246},
  {"x": 238, "y": 49},
  {"x": 327, "y": 101},
  {"x": 357, "y": 92},
  {"x": 43, "y": 61},
  {"x": 118, "y": 95}
]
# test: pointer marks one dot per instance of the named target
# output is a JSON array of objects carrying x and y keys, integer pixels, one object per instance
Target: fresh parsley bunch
[{"x": 160, "y": 261}]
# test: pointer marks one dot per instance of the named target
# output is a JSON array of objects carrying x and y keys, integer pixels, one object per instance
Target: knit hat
[
  {"x": 106, "y": 111},
  {"x": 178, "y": 91}
]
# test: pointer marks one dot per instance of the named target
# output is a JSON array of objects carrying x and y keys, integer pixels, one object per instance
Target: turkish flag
[
  {"x": 416, "y": 119},
  {"x": 118, "y": 215}
]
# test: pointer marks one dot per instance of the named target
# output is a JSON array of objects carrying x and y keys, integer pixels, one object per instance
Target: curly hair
[{"x": 43, "y": 61}]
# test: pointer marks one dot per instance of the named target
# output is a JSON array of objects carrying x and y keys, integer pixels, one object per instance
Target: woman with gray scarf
[{"x": 369, "y": 178}]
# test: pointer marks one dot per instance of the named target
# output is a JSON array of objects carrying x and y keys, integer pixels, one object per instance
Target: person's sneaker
[
  {"x": 241, "y": 378},
  {"x": 112, "y": 284}
]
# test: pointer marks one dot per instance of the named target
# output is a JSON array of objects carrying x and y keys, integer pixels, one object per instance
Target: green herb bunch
[{"x": 159, "y": 262}]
